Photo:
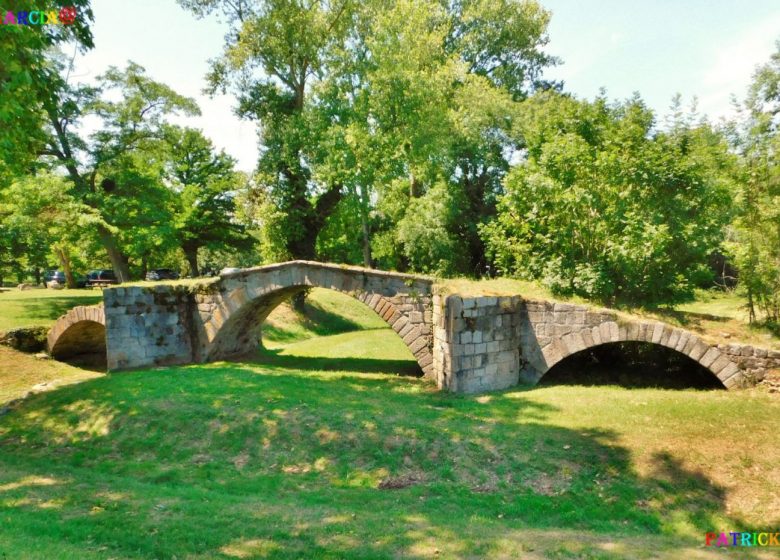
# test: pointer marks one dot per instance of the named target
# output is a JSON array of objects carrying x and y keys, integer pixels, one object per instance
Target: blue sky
[{"x": 706, "y": 49}]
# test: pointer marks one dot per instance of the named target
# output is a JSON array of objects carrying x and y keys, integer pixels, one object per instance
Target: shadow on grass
[
  {"x": 315, "y": 319},
  {"x": 688, "y": 319},
  {"x": 232, "y": 460},
  {"x": 275, "y": 357}
]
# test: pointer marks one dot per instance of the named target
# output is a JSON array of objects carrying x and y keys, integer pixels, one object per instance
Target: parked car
[
  {"x": 101, "y": 278},
  {"x": 162, "y": 274},
  {"x": 57, "y": 278},
  {"x": 229, "y": 270}
]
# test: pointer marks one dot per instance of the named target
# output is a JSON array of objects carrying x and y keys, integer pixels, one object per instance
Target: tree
[
  {"x": 366, "y": 106},
  {"x": 756, "y": 241},
  {"x": 414, "y": 101},
  {"x": 102, "y": 167},
  {"x": 205, "y": 183},
  {"x": 28, "y": 78},
  {"x": 605, "y": 207},
  {"x": 47, "y": 220},
  {"x": 275, "y": 50}
]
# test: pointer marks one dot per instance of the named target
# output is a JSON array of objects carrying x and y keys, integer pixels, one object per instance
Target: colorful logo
[
  {"x": 742, "y": 539},
  {"x": 64, "y": 16}
]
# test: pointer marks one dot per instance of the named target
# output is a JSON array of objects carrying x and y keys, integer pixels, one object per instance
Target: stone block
[
  {"x": 699, "y": 349},
  {"x": 709, "y": 357}
]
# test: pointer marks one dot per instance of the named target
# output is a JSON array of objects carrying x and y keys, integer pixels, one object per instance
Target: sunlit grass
[
  {"x": 40, "y": 306},
  {"x": 268, "y": 459},
  {"x": 317, "y": 448},
  {"x": 21, "y": 373}
]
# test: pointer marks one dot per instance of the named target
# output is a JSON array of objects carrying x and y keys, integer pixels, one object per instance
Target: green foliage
[
  {"x": 203, "y": 182},
  {"x": 116, "y": 169},
  {"x": 755, "y": 244},
  {"x": 365, "y": 107},
  {"x": 47, "y": 224},
  {"x": 29, "y": 80},
  {"x": 606, "y": 208},
  {"x": 426, "y": 229}
]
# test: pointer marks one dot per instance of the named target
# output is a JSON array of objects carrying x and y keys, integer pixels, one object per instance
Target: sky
[{"x": 701, "y": 49}]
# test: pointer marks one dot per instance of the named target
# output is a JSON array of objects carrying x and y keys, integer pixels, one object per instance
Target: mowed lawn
[
  {"x": 319, "y": 449},
  {"x": 40, "y": 306}
]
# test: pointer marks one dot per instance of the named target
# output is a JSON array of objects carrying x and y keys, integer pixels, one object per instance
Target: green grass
[
  {"x": 21, "y": 373},
  {"x": 319, "y": 449},
  {"x": 326, "y": 312},
  {"x": 267, "y": 460},
  {"x": 41, "y": 306}
]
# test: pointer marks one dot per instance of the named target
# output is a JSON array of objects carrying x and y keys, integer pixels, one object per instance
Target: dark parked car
[
  {"x": 58, "y": 276},
  {"x": 101, "y": 278},
  {"x": 162, "y": 274},
  {"x": 54, "y": 276}
]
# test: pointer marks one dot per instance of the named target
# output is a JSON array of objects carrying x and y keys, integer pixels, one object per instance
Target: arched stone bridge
[
  {"x": 82, "y": 330},
  {"x": 464, "y": 344}
]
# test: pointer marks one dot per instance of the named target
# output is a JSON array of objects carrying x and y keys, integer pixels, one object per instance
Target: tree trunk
[
  {"x": 365, "y": 226},
  {"x": 298, "y": 301},
  {"x": 37, "y": 274},
  {"x": 118, "y": 260},
  {"x": 64, "y": 258},
  {"x": 191, "y": 254}
]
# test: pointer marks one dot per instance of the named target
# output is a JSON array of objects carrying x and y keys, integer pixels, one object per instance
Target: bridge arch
[
  {"x": 679, "y": 340},
  {"x": 231, "y": 320},
  {"x": 81, "y": 330}
]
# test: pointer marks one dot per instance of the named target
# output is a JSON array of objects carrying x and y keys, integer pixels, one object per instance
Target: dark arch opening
[
  {"x": 631, "y": 364},
  {"x": 83, "y": 345}
]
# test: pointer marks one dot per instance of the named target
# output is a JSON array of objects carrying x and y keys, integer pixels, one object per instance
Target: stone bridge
[
  {"x": 80, "y": 331},
  {"x": 464, "y": 344}
]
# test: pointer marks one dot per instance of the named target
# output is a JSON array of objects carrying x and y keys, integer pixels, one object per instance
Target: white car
[{"x": 229, "y": 270}]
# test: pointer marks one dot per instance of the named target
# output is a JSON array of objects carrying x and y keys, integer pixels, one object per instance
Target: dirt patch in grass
[{"x": 398, "y": 482}]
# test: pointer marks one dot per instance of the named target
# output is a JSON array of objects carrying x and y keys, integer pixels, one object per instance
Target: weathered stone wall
[
  {"x": 754, "y": 362},
  {"x": 466, "y": 344},
  {"x": 170, "y": 325},
  {"x": 229, "y": 319},
  {"x": 476, "y": 343},
  {"x": 147, "y": 326},
  {"x": 490, "y": 343}
]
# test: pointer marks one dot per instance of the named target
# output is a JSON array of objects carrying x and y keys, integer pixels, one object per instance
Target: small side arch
[
  {"x": 82, "y": 330},
  {"x": 679, "y": 340}
]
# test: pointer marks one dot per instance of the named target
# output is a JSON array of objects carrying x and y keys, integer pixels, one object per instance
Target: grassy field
[
  {"x": 40, "y": 306},
  {"x": 319, "y": 449}
]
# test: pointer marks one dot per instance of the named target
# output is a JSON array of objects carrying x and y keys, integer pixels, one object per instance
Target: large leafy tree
[
  {"x": 274, "y": 52},
  {"x": 47, "y": 222},
  {"x": 420, "y": 106},
  {"x": 107, "y": 169},
  {"x": 606, "y": 207},
  {"x": 205, "y": 183},
  {"x": 756, "y": 241},
  {"x": 366, "y": 106}
]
